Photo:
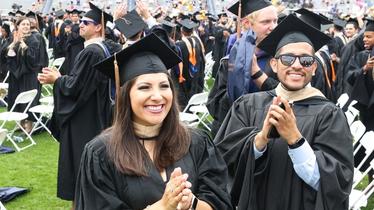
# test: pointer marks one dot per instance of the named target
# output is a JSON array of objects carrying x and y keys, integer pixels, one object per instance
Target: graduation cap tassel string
[
  {"x": 239, "y": 27},
  {"x": 116, "y": 74},
  {"x": 102, "y": 25},
  {"x": 116, "y": 79}
]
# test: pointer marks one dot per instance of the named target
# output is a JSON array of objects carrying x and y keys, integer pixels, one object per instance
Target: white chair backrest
[
  {"x": 50, "y": 53},
  {"x": 26, "y": 97},
  {"x": 342, "y": 100},
  {"x": 367, "y": 142},
  {"x": 199, "y": 98},
  {"x": 357, "y": 130},
  {"x": 58, "y": 62}
]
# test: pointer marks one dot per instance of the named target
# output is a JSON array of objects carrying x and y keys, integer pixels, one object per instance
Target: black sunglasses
[
  {"x": 86, "y": 22},
  {"x": 289, "y": 59}
]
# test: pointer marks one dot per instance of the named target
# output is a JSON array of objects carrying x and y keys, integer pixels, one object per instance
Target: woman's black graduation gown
[
  {"x": 101, "y": 186},
  {"x": 82, "y": 109},
  {"x": 24, "y": 69},
  {"x": 270, "y": 182}
]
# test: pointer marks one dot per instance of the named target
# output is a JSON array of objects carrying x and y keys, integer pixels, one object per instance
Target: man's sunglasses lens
[
  {"x": 305, "y": 61},
  {"x": 86, "y": 22}
]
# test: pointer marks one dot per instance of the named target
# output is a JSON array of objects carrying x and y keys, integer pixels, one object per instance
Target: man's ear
[
  {"x": 98, "y": 28},
  {"x": 314, "y": 68},
  {"x": 274, "y": 65}
]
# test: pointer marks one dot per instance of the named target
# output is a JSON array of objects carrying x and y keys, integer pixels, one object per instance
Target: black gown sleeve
[
  {"x": 332, "y": 146},
  {"x": 95, "y": 187},
  {"x": 212, "y": 173}
]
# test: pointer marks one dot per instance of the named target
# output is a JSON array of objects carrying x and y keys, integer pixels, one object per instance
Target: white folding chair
[
  {"x": 4, "y": 86},
  {"x": 366, "y": 143},
  {"x": 209, "y": 62},
  {"x": 2, "y": 207},
  {"x": 351, "y": 114},
  {"x": 199, "y": 112},
  {"x": 342, "y": 100},
  {"x": 40, "y": 112},
  {"x": 357, "y": 129},
  {"x": 11, "y": 116},
  {"x": 48, "y": 88},
  {"x": 358, "y": 198}
]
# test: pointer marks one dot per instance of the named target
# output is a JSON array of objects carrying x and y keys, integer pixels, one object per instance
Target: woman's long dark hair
[{"x": 124, "y": 148}]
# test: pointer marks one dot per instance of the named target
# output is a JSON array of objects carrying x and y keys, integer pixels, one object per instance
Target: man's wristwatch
[
  {"x": 194, "y": 202},
  {"x": 298, "y": 143}
]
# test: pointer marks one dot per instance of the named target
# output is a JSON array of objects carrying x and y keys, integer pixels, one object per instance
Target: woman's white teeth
[{"x": 154, "y": 107}]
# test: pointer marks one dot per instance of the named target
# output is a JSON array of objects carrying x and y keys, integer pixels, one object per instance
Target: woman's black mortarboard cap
[
  {"x": 293, "y": 30},
  {"x": 248, "y": 6},
  {"x": 130, "y": 24},
  {"x": 146, "y": 56},
  {"x": 20, "y": 12}
]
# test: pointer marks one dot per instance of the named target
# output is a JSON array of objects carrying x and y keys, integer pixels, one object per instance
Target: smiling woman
[{"x": 148, "y": 159}]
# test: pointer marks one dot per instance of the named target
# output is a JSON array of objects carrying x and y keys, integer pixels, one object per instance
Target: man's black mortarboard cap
[
  {"x": 339, "y": 22},
  {"x": 222, "y": 14},
  {"x": 168, "y": 26},
  {"x": 74, "y": 11},
  {"x": 211, "y": 17},
  {"x": 248, "y": 6},
  {"x": 148, "y": 55},
  {"x": 20, "y": 12},
  {"x": 312, "y": 18},
  {"x": 96, "y": 14},
  {"x": 369, "y": 24},
  {"x": 59, "y": 13},
  {"x": 130, "y": 24},
  {"x": 11, "y": 14},
  {"x": 293, "y": 30},
  {"x": 188, "y": 24}
]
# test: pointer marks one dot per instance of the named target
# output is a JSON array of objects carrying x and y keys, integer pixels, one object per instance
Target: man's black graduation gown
[
  {"x": 24, "y": 69},
  {"x": 348, "y": 51},
  {"x": 101, "y": 186},
  {"x": 362, "y": 88},
  {"x": 194, "y": 82},
  {"x": 74, "y": 44},
  {"x": 82, "y": 110},
  {"x": 270, "y": 182},
  {"x": 363, "y": 92}
]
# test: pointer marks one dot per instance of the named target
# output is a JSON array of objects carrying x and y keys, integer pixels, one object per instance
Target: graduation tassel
[
  {"x": 37, "y": 22},
  {"x": 103, "y": 26},
  {"x": 116, "y": 74},
  {"x": 238, "y": 24},
  {"x": 116, "y": 80}
]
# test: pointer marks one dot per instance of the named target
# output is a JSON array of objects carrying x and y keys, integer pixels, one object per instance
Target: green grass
[{"x": 36, "y": 169}]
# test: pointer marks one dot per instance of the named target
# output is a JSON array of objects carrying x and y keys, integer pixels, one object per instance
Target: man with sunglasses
[
  {"x": 288, "y": 148},
  {"x": 82, "y": 107}
]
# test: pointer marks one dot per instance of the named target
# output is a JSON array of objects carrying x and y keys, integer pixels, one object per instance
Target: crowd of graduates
[{"x": 106, "y": 55}]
